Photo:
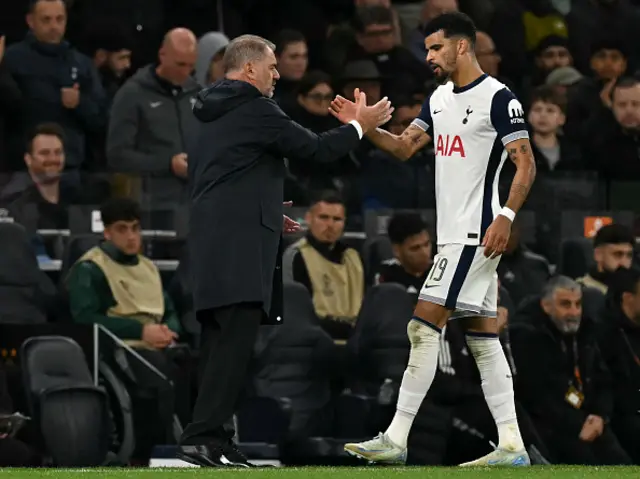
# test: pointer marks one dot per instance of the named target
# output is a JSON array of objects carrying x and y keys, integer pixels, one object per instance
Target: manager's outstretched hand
[{"x": 369, "y": 117}]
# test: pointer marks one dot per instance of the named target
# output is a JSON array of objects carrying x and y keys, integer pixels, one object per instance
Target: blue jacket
[{"x": 41, "y": 70}]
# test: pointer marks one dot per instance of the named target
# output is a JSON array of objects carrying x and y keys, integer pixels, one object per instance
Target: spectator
[
  {"x": 612, "y": 249},
  {"x": 211, "y": 48},
  {"x": 362, "y": 74},
  {"x": 591, "y": 94},
  {"x": 58, "y": 83},
  {"x": 329, "y": 269},
  {"x": 595, "y": 17},
  {"x": 411, "y": 250},
  {"x": 488, "y": 58},
  {"x": 311, "y": 110},
  {"x": 292, "y": 55},
  {"x": 562, "y": 381},
  {"x": 10, "y": 102},
  {"x": 397, "y": 30},
  {"x": 111, "y": 53},
  {"x": 389, "y": 183},
  {"x": 612, "y": 143},
  {"x": 151, "y": 120},
  {"x": 620, "y": 346},
  {"x": 45, "y": 160},
  {"x": 115, "y": 286},
  {"x": 553, "y": 152},
  {"x": 374, "y": 35},
  {"x": 521, "y": 271},
  {"x": 430, "y": 10},
  {"x": 552, "y": 53},
  {"x": 563, "y": 78}
]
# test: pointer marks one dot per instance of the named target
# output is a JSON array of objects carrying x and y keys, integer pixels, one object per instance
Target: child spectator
[{"x": 546, "y": 117}]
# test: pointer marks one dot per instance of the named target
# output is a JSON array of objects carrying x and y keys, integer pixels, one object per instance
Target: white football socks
[
  {"x": 497, "y": 385},
  {"x": 417, "y": 379}
]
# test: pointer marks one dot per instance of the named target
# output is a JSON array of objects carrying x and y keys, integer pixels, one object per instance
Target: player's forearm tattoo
[{"x": 522, "y": 156}]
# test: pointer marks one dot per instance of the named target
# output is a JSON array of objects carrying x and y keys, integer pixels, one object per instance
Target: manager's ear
[{"x": 249, "y": 70}]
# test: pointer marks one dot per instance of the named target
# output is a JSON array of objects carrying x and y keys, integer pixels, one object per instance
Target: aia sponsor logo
[{"x": 450, "y": 146}]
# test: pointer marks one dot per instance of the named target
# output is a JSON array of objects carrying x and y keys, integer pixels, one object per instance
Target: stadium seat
[
  {"x": 379, "y": 346},
  {"x": 27, "y": 295},
  {"x": 296, "y": 362},
  {"x": 374, "y": 251},
  {"x": 71, "y": 412},
  {"x": 74, "y": 249},
  {"x": 576, "y": 256},
  {"x": 298, "y": 305}
]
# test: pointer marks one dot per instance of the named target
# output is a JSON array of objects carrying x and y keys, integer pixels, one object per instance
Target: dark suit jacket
[{"x": 236, "y": 176}]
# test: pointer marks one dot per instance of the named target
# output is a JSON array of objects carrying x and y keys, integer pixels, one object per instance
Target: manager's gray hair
[
  {"x": 245, "y": 49},
  {"x": 559, "y": 282}
]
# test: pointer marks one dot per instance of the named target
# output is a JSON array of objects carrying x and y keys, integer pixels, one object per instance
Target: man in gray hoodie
[{"x": 151, "y": 121}]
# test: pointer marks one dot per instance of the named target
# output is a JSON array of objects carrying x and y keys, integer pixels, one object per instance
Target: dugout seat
[
  {"x": 295, "y": 362},
  {"x": 71, "y": 412},
  {"x": 374, "y": 251},
  {"x": 74, "y": 249},
  {"x": 379, "y": 346},
  {"x": 27, "y": 295}
]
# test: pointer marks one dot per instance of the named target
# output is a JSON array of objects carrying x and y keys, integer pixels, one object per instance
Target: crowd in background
[{"x": 95, "y": 107}]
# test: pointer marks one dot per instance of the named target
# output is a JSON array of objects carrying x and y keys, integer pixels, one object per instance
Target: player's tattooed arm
[
  {"x": 402, "y": 146},
  {"x": 522, "y": 156}
]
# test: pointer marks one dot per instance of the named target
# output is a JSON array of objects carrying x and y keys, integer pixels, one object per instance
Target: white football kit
[{"x": 470, "y": 127}]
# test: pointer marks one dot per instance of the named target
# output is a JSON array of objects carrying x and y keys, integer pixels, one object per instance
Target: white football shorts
[{"x": 463, "y": 280}]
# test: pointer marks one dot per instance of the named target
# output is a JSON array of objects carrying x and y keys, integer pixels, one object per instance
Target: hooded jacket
[
  {"x": 545, "y": 371},
  {"x": 236, "y": 177},
  {"x": 208, "y": 46},
  {"x": 151, "y": 121}
]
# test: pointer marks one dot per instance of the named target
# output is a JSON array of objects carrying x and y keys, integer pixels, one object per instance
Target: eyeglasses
[{"x": 320, "y": 98}]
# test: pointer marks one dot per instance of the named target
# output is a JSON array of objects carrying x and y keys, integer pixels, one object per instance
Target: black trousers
[
  {"x": 627, "y": 429},
  {"x": 227, "y": 340},
  {"x": 569, "y": 449}
]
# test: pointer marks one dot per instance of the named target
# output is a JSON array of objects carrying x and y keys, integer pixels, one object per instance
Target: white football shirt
[{"x": 469, "y": 127}]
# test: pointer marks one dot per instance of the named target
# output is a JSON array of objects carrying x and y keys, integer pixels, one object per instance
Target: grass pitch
[{"x": 535, "y": 472}]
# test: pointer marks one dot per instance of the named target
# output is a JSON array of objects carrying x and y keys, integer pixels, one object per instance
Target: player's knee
[{"x": 422, "y": 335}]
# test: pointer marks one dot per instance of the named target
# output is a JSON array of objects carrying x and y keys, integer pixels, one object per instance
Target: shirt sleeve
[
  {"x": 424, "y": 121},
  {"x": 507, "y": 117}
]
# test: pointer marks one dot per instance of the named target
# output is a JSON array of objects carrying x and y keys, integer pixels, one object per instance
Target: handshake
[{"x": 369, "y": 117}]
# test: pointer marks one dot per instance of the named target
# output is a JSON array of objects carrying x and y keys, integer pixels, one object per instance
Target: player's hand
[
  {"x": 290, "y": 226},
  {"x": 503, "y": 318},
  {"x": 497, "y": 236},
  {"x": 179, "y": 165}
]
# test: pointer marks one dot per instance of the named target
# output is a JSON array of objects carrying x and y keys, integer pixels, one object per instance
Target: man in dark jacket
[
  {"x": 10, "y": 102},
  {"x": 562, "y": 381},
  {"x": 151, "y": 120},
  {"x": 236, "y": 183},
  {"x": 620, "y": 346},
  {"x": 58, "y": 83}
]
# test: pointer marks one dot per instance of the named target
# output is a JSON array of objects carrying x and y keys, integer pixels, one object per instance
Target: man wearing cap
[{"x": 562, "y": 78}]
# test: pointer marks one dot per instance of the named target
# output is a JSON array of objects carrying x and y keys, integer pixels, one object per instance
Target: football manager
[{"x": 236, "y": 180}]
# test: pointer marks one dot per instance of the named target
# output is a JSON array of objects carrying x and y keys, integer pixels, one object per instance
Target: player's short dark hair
[
  {"x": 286, "y": 37},
  {"x": 372, "y": 15},
  {"x": 311, "y": 80},
  {"x": 614, "y": 234},
  {"x": 623, "y": 281},
  {"x": 119, "y": 209},
  {"x": 45, "y": 129},
  {"x": 624, "y": 82},
  {"x": 404, "y": 225},
  {"x": 330, "y": 197},
  {"x": 453, "y": 24},
  {"x": 548, "y": 94}
]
